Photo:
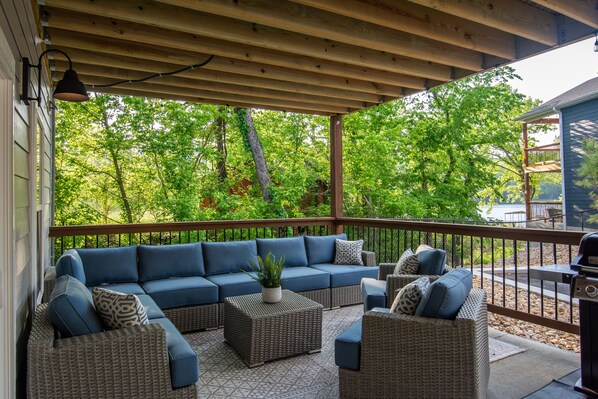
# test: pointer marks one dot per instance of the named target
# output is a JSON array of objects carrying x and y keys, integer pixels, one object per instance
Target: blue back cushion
[
  {"x": 445, "y": 296},
  {"x": 70, "y": 264},
  {"x": 321, "y": 249},
  {"x": 109, "y": 265},
  {"x": 165, "y": 261},
  {"x": 293, "y": 250},
  {"x": 431, "y": 262},
  {"x": 228, "y": 257},
  {"x": 71, "y": 308}
]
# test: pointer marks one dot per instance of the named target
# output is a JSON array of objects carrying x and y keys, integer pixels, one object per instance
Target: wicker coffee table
[{"x": 260, "y": 331}]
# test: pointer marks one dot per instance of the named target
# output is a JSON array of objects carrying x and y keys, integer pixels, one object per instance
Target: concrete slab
[{"x": 519, "y": 375}]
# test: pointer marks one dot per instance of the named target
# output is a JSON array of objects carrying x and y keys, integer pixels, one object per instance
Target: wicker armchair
[
  {"x": 396, "y": 282},
  {"x": 414, "y": 357},
  {"x": 127, "y": 363}
]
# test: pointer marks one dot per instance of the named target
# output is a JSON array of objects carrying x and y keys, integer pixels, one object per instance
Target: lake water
[{"x": 498, "y": 212}]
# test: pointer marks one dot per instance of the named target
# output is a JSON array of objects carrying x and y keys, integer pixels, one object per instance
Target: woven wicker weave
[
  {"x": 368, "y": 258},
  {"x": 413, "y": 357},
  {"x": 344, "y": 296},
  {"x": 126, "y": 363},
  {"x": 194, "y": 318},
  {"x": 395, "y": 282},
  {"x": 260, "y": 331},
  {"x": 49, "y": 282}
]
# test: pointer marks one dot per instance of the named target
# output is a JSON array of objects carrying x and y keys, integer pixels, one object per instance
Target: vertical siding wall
[
  {"x": 579, "y": 122},
  {"x": 31, "y": 211}
]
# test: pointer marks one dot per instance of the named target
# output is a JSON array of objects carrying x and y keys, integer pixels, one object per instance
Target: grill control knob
[{"x": 592, "y": 291}]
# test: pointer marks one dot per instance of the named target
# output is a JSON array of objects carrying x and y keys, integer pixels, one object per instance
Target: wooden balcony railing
[{"x": 499, "y": 257}]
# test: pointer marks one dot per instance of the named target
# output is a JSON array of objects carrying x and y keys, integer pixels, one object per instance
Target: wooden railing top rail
[
  {"x": 534, "y": 235},
  {"x": 546, "y": 147},
  {"x": 508, "y": 233},
  {"x": 101, "y": 229}
]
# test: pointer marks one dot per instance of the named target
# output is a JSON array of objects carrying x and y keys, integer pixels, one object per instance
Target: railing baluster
[{"x": 516, "y": 272}]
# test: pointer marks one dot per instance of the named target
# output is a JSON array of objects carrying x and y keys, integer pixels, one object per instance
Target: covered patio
[{"x": 327, "y": 58}]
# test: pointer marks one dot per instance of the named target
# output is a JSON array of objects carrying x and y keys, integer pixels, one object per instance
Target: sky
[{"x": 547, "y": 75}]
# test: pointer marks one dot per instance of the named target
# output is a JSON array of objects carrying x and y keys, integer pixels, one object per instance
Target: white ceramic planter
[{"x": 271, "y": 295}]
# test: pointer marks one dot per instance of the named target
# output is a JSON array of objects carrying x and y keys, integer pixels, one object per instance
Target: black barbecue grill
[{"x": 584, "y": 286}]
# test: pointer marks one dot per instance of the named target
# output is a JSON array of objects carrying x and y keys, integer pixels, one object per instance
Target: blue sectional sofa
[{"x": 189, "y": 282}]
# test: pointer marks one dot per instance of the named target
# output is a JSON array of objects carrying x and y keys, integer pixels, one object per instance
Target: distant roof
[{"x": 579, "y": 94}]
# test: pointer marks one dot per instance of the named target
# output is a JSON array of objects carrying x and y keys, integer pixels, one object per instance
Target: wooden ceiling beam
[
  {"x": 216, "y": 96},
  {"x": 106, "y": 54},
  {"x": 584, "y": 11},
  {"x": 423, "y": 21},
  {"x": 326, "y": 25},
  {"x": 201, "y": 74},
  {"x": 195, "y": 23},
  {"x": 64, "y": 23},
  {"x": 119, "y": 74},
  {"x": 149, "y": 94},
  {"x": 511, "y": 16}
]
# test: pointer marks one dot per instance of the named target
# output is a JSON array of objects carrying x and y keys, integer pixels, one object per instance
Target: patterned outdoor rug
[{"x": 224, "y": 375}]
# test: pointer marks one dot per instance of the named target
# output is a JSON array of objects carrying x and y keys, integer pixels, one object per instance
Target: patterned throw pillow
[
  {"x": 408, "y": 263},
  {"x": 410, "y": 296},
  {"x": 348, "y": 252},
  {"x": 118, "y": 310}
]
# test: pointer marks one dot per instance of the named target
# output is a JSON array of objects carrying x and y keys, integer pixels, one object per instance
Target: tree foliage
[{"x": 438, "y": 154}]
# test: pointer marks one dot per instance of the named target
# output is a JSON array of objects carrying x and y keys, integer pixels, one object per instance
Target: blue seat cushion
[
  {"x": 183, "y": 361},
  {"x": 373, "y": 293},
  {"x": 321, "y": 249},
  {"x": 345, "y": 275},
  {"x": 228, "y": 257},
  {"x": 125, "y": 288},
  {"x": 109, "y": 265},
  {"x": 182, "y": 291},
  {"x": 445, "y": 296},
  {"x": 431, "y": 262},
  {"x": 233, "y": 284},
  {"x": 158, "y": 262},
  {"x": 70, "y": 263},
  {"x": 347, "y": 347},
  {"x": 152, "y": 310},
  {"x": 293, "y": 250},
  {"x": 299, "y": 279},
  {"x": 71, "y": 308}
]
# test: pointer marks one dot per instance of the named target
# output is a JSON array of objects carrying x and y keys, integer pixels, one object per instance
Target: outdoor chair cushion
[
  {"x": 71, "y": 308},
  {"x": 124, "y": 288},
  {"x": 321, "y": 249},
  {"x": 293, "y": 250},
  {"x": 109, "y": 265},
  {"x": 431, "y": 262},
  {"x": 164, "y": 261},
  {"x": 233, "y": 284},
  {"x": 299, "y": 279},
  {"x": 151, "y": 308},
  {"x": 444, "y": 297},
  {"x": 408, "y": 263},
  {"x": 373, "y": 293},
  {"x": 182, "y": 291},
  {"x": 183, "y": 361},
  {"x": 70, "y": 263},
  {"x": 228, "y": 257},
  {"x": 347, "y": 346},
  {"x": 345, "y": 275}
]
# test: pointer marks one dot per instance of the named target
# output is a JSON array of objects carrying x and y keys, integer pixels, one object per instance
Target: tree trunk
[
  {"x": 119, "y": 177},
  {"x": 221, "y": 146},
  {"x": 248, "y": 130}
]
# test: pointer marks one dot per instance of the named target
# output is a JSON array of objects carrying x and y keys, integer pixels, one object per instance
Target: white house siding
[{"x": 17, "y": 26}]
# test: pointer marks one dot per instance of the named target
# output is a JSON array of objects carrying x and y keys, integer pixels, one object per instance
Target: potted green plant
[{"x": 268, "y": 272}]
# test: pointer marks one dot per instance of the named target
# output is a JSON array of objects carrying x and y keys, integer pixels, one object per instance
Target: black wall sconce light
[{"x": 69, "y": 88}]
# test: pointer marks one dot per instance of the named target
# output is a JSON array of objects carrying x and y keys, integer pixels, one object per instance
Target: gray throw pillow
[
  {"x": 410, "y": 296},
  {"x": 118, "y": 310},
  {"x": 348, "y": 252},
  {"x": 408, "y": 263}
]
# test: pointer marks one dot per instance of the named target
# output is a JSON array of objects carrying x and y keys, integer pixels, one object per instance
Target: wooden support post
[
  {"x": 336, "y": 169},
  {"x": 528, "y": 194}
]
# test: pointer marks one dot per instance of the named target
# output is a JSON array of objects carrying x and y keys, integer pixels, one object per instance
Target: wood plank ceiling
[{"x": 309, "y": 56}]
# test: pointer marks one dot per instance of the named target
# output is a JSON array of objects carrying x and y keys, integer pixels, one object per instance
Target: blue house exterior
[{"x": 578, "y": 114}]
